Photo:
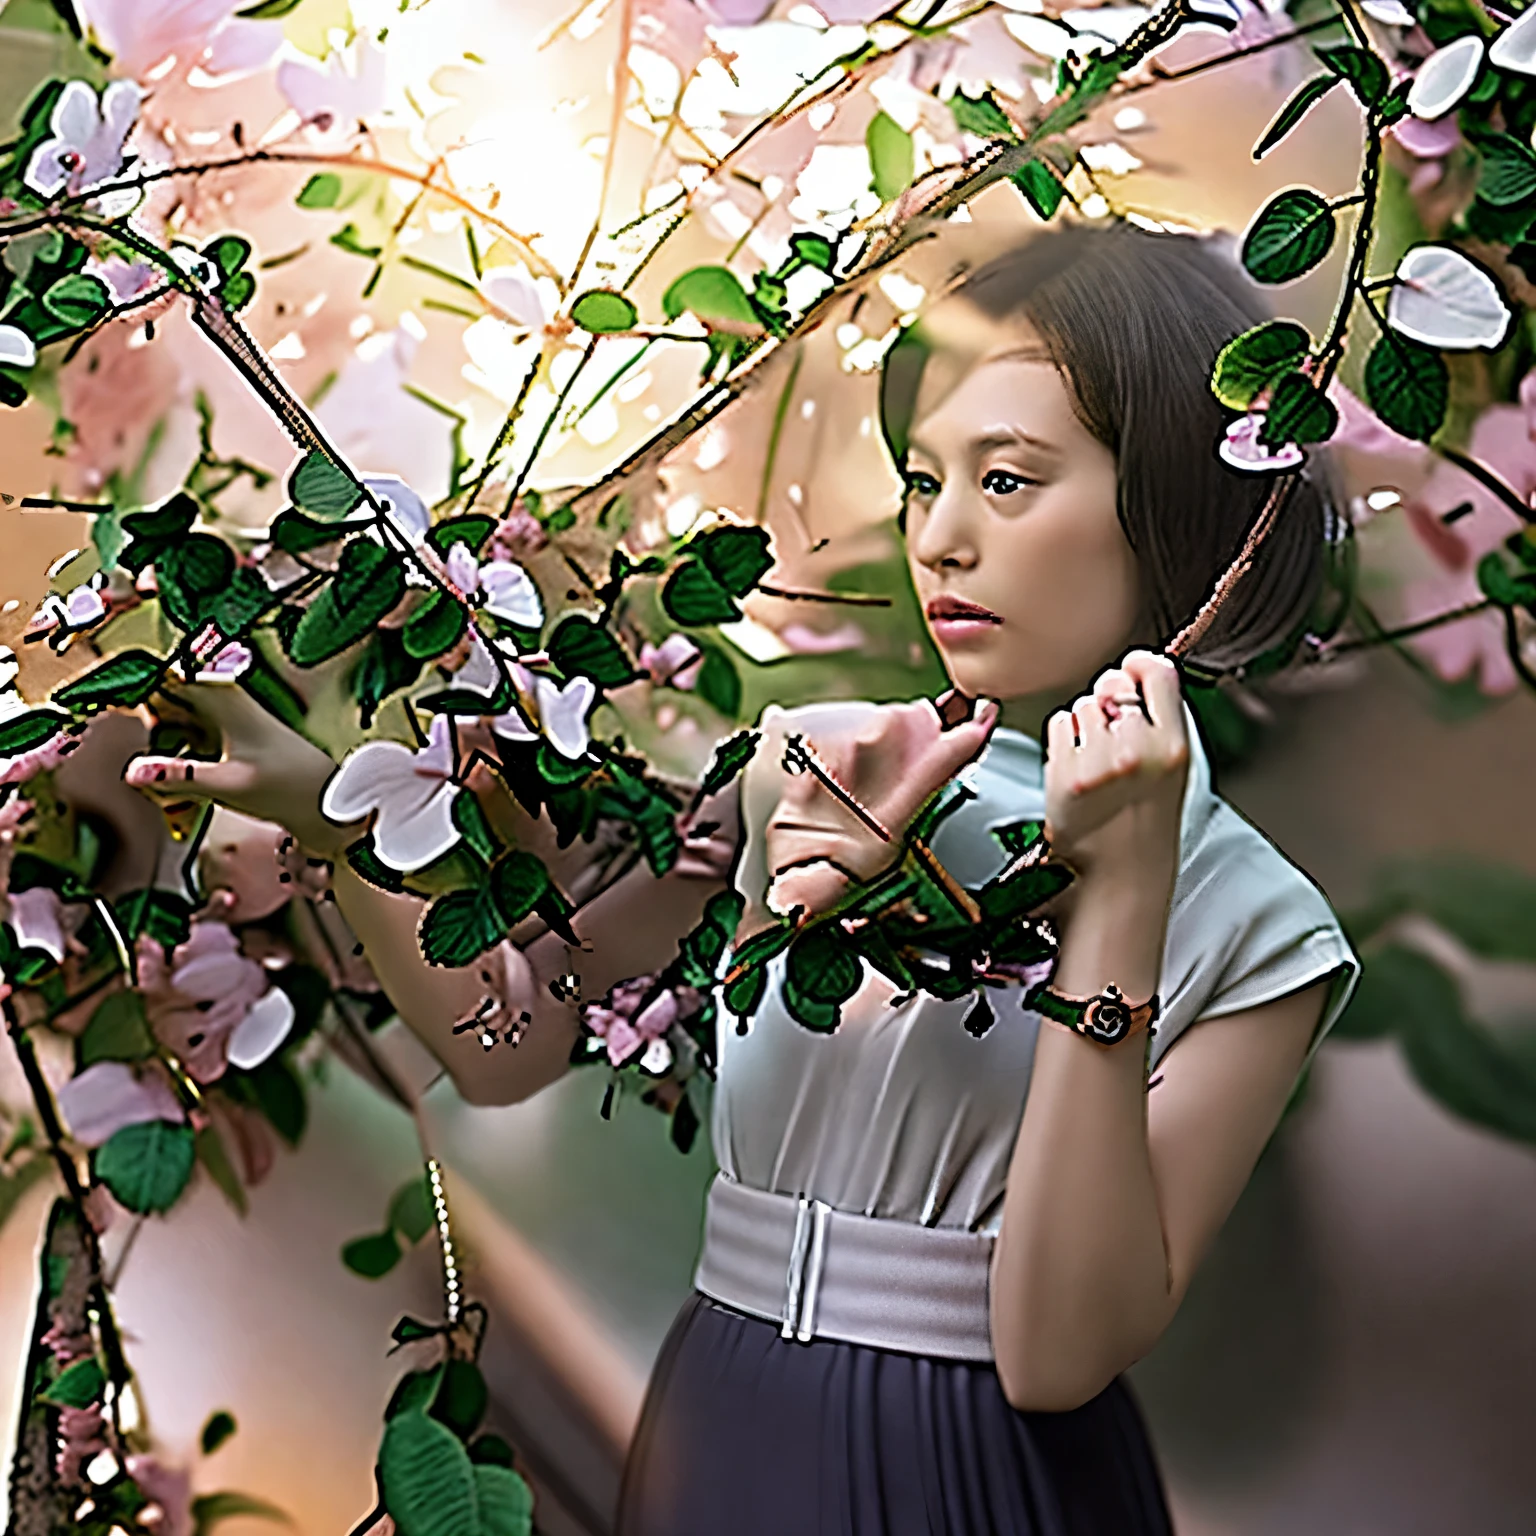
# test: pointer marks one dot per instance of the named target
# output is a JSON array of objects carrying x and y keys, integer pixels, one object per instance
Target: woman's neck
[{"x": 1028, "y": 714}]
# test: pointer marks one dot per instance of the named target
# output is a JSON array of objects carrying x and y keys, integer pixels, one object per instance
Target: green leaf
[
  {"x": 1408, "y": 386},
  {"x": 1394, "y": 105},
  {"x": 320, "y": 485},
  {"x": 605, "y": 313},
  {"x": 738, "y": 558},
  {"x": 981, "y": 115},
  {"x": 892, "y": 159},
  {"x": 426, "y": 1478},
  {"x": 146, "y": 1166},
  {"x": 1042, "y": 188},
  {"x": 1298, "y": 412},
  {"x": 1259, "y": 358},
  {"x": 78, "y": 1385},
  {"x": 350, "y": 239},
  {"x": 217, "y": 1430},
  {"x": 813, "y": 251},
  {"x": 414, "y": 1391},
  {"x": 214, "y": 1156},
  {"x": 715, "y": 295},
  {"x": 434, "y": 627},
  {"x": 1509, "y": 170},
  {"x": 269, "y": 10},
  {"x": 581, "y": 648},
  {"x": 21, "y": 733},
  {"x": 298, "y": 534},
  {"x": 383, "y": 669},
  {"x": 1498, "y": 585},
  {"x": 821, "y": 974},
  {"x": 632, "y": 797},
  {"x": 461, "y": 1398},
  {"x": 78, "y": 300},
  {"x": 372, "y": 1256},
  {"x": 718, "y": 682},
  {"x": 280, "y": 1096},
  {"x": 322, "y": 190},
  {"x": 244, "y": 599},
  {"x": 519, "y": 882},
  {"x": 367, "y": 584},
  {"x": 118, "y": 1031},
  {"x": 13, "y": 390},
  {"x": 1292, "y": 233},
  {"x": 731, "y": 756},
  {"x": 506, "y": 1501},
  {"x": 1489, "y": 907},
  {"x": 166, "y": 916},
  {"x": 410, "y": 1209},
  {"x": 1361, "y": 67},
  {"x": 150, "y": 532},
  {"x": 470, "y": 820},
  {"x": 460, "y": 926},
  {"x": 126, "y": 680},
  {"x": 1306, "y": 96},
  {"x": 491, "y": 1451},
  {"x": 191, "y": 574},
  {"x": 209, "y": 1509},
  {"x": 693, "y": 597},
  {"x": 238, "y": 291},
  {"x": 702, "y": 949},
  {"x": 471, "y": 530},
  {"x": 228, "y": 253}
]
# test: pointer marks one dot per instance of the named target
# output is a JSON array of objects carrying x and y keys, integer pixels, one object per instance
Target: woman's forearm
[{"x": 1080, "y": 1282}]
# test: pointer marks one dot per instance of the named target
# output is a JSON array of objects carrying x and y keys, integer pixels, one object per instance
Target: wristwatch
[{"x": 1105, "y": 1018}]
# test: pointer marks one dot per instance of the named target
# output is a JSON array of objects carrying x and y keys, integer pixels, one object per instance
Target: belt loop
[
  {"x": 820, "y": 1212},
  {"x": 795, "y": 1278}
]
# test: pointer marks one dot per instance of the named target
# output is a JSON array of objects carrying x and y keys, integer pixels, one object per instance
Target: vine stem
[{"x": 1403, "y": 632}]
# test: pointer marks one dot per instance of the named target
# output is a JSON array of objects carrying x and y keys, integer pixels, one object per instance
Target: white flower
[
  {"x": 125, "y": 280},
  {"x": 37, "y": 920},
  {"x": 1444, "y": 299},
  {"x": 104, "y": 1098},
  {"x": 1242, "y": 449},
  {"x": 1225, "y": 14},
  {"x": 498, "y": 586},
  {"x": 402, "y": 506},
  {"x": 562, "y": 713},
  {"x": 227, "y": 664},
  {"x": 17, "y": 349},
  {"x": 512, "y": 294},
  {"x": 79, "y": 608},
  {"x": 262, "y": 1030},
  {"x": 344, "y": 91},
  {"x": 88, "y": 137},
  {"x": 412, "y": 792},
  {"x": 1514, "y": 48},
  {"x": 1445, "y": 77},
  {"x": 1390, "y": 13}
]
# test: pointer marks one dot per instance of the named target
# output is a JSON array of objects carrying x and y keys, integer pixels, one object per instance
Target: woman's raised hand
[
  {"x": 265, "y": 770},
  {"x": 892, "y": 763},
  {"x": 1115, "y": 768}
]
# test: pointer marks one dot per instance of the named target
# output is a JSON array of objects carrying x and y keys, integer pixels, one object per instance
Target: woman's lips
[{"x": 953, "y": 620}]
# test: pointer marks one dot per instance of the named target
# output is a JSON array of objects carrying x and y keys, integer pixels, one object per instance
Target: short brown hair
[{"x": 1134, "y": 320}]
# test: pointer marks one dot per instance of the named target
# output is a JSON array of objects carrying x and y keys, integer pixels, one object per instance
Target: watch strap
[{"x": 1105, "y": 1018}]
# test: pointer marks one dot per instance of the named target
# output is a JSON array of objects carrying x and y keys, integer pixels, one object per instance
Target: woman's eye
[
  {"x": 919, "y": 484},
  {"x": 1002, "y": 482}
]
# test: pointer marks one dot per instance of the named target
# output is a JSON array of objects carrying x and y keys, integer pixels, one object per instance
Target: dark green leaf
[
  {"x": 280, "y": 1096},
  {"x": 461, "y": 1398},
  {"x": 410, "y": 1330},
  {"x": 490, "y": 1451},
  {"x": 821, "y": 974},
  {"x": 209, "y": 1509},
  {"x": 269, "y": 10},
  {"x": 1042, "y": 188},
  {"x": 372, "y": 1256},
  {"x": 425, "y": 1478},
  {"x": 79, "y": 300},
  {"x": 718, "y": 682},
  {"x": 1252, "y": 362},
  {"x": 414, "y": 1391},
  {"x": 981, "y": 115},
  {"x": 299, "y": 534},
  {"x": 13, "y": 390},
  {"x": 410, "y": 1210},
  {"x": 1509, "y": 171},
  {"x": 1306, "y": 96},
  {"x": 1298, "y": 412},
  {"x": 243, "y": 600},
  {"x": 813, "y": 251},
  {"x": 461, "y": 926},
  {"x": 214, "y": 1156},
  {"x": 1408, "y": 386},
  {"x": 368, "y": 583},
  {"x": 581, "y": 648},
  {"x": 322, "y": 190},
  {"x": 383, "y": 669},
  {"x": 319, "y": 485},
  {"x": 693, "y": 597},
  {"x": 641, "y": 801},
  {"x": 702, "y": 949},
  {"x": 118, "y": 1031},
  {"x": 892, "y": 159},
  {"x": 712, "y": 293},
  {"x": 1490, "y": 907},
  {"x": 1292, "y": 233},
  {"x": 228, "y": 253},
  {"x": 21, "y": 733},
  {"x": 1361, "y": 67},
  {"x": 471, "y": 530},
  {"x": 370, "y": 867},
  {"x": 434, "y": 627},
  {"x": 470, "y": 820},
  {"x": 1500, "y": 586},
  {"x": 78, "y": 1385},
  {"x": 506, "y": 1501},
  {"x": 731, "y": 756},
  {"x": 1394, "y": 105},
  {"x": 166, "y": 916},
  {"x": 604, "y": 313},
  {"x": 349, "y": 239},
  {"x": 147, "y": 1166},
  {"x": 238, "y": 291},
  {"x": 217, "y": 1430},
  {"x": 127, "y": 680},
  {"x": 519, "y": 882},
  {"x": 191, "y": 574},
  {"x": 738, "y": 558},
  {"x": 150, "y": 532}
]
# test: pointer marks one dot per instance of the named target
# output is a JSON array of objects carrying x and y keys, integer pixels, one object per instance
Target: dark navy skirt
[{"x": 745, "y": 1433}]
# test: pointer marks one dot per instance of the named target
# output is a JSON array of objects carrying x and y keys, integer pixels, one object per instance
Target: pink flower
[
  {"x": 624, "y": 1026},
  {"x": 81, "y": 1440},
  {"x": 519, "y": 537},
  {"x": 37, "y": 918},
  {"x": 98, "y": 1102},
  {"x": 142, "y": 34},
  {"x": 126, "y": 280},
  {"x": 1242, "y": 449},
  {"x": 676, "y": 662},
  {"x": 338, "y": 95},
  {"x": 169, "y": 1490}
]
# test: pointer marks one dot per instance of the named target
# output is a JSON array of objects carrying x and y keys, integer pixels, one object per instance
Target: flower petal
[
  {"x": 262, "y": 1030},
  {"x": 100, "y": 1101},
  {"x": 511, "y": 293},
  {"x": 370, "y": 774},
  {"x": 563, "y": 714},
  {"x": 1242, "y": 449},
  {"x": 404, "y": 508},
  {"x": 1514, "y": 48},
  {"x": 411, "y": 837},
  {"x": 1390, "y": 13},
  {"x": 17, "y": 349},
  {"x": 463, "y": 569},
  {"x": 37, "y": 918},
  {"x": 1444, "y": 299},
  {"x": 511, "y": 594},
  {"x": 1445, "y": 77}
]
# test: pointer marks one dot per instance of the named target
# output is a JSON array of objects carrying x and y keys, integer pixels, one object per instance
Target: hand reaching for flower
[{"x": 892, "y": 763}]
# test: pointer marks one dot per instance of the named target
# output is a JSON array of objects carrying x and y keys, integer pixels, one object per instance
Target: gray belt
[{"x": 826, "y": 1274}]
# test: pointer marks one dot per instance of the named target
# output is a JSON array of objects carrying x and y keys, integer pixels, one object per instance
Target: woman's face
[{"x": 1026, "y": 580}]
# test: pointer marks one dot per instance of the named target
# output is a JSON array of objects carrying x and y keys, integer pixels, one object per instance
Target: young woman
[{"x": 929, "y": 1257}]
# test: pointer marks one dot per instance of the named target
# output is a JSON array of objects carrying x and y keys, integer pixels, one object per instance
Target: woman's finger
[
  {"x": 963, "y": 743},
  {"x": 225, "y": 783},
  {"x": 1158, "y": 679}
]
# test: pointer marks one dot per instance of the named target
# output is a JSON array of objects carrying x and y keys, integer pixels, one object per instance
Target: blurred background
[{"x": 1357, "y": 1355}]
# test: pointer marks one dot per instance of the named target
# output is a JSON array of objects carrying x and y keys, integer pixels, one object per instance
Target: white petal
[
  {"x": 1515, "y": 47},
  {"x": 1445, "y": 77},
  {"x": 1225, "y": 14},
  {"x": 511, "y": 293},
  {"x": 404, "y": 508},
  {"x": 511, "y": 594},
  {"x": 1241, "y": 448},
  {"x": 305, "y": 86},
  {"x": 371, "y": 773},
  {"x": 563, "y": 714},
  {"x": 514, "y": 727},
  {"x": 1390, "y": 13},
  {"x": 46, "y": 174},
  {"x": 411, "y": 837},
  {"x": 17, "y": 349},
  {"x": 657, "y": 1058},
  {"x": 120, "y": 104},
  {"x": 1446, "y": 300},
  {"x": 37, "y": 919},
  {"x": 104, "y": 1098},
  {"x": 83, "y": 606},
  {"x": 463, "y": 569},
  {"x": 262, "y": 1030},
  {"x": 479, "y": 674},
  {"x": 76, "y": 115}
]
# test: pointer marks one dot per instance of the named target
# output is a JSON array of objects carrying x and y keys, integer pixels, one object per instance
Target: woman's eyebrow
[{"x": 1009, "y": 437}]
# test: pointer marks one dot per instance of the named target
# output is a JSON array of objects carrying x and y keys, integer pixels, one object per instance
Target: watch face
[{"x": 1107, "y": 1020}]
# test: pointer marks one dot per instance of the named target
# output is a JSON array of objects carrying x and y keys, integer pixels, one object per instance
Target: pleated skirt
[{"x": 745, "y": 1433}]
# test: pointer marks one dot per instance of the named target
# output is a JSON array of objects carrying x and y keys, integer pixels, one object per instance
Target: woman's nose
[{"x": 943, "y": 538}]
